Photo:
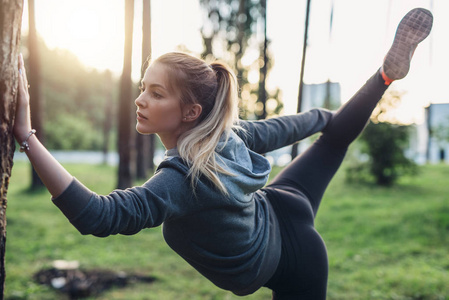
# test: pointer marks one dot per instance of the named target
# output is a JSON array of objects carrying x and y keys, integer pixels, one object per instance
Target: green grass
[{"x": 383, "y": 243}]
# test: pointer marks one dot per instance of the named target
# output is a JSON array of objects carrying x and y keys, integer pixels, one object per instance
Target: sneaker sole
[{"x": 414, "y": 27}]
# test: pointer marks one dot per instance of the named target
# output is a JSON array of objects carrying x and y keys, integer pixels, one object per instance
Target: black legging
[{"x": 296, "y": 194}]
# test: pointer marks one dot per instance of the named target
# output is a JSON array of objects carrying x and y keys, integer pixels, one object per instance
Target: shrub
[{"x": 385, "y": 145}]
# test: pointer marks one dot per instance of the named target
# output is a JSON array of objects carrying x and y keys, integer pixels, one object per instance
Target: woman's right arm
[{"x": 51, "y": 172}]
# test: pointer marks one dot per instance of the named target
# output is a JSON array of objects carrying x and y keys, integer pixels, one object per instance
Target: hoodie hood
[{"x": 250, "y": 170}]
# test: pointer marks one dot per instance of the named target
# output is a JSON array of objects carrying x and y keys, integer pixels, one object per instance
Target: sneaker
[{"x": 414, "y": 27}]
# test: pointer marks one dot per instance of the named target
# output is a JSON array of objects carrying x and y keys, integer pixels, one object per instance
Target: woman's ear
[{"x": 192, "y": 112}]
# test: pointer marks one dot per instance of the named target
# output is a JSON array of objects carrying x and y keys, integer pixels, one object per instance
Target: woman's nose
[{"x": 139, "y": 101}]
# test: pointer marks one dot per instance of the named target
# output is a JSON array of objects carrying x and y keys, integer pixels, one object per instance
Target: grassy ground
[{"x": 382, "y": 243}]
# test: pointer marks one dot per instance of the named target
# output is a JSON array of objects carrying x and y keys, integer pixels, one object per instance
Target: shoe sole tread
[{"x": 414, "y": 27}]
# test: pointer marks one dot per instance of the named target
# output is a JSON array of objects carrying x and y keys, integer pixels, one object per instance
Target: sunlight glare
[
  {"x": 84, "y": 27},
  {"x": 84, "y": 24}
]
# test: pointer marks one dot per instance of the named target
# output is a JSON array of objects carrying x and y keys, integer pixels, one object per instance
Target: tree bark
[
  {"x": 10, "y": 26},
  {"x": 34, "y": 79},
  {"x": 124, "y": 115}
]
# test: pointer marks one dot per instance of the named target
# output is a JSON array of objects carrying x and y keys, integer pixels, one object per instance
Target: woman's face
[{"x": 159, "y": 110}]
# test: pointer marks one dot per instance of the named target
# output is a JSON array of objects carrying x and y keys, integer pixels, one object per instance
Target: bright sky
[{"x": 362, "y": 33}]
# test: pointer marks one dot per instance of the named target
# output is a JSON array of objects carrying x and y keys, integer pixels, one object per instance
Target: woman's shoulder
[{"x": 173, "y": 163}]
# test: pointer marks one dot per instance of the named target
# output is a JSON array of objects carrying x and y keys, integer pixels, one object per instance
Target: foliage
[
  {"x": 66, "y": 132},
  {"x": 231, "y": 33},
  {"x": 75, "y": 99},
  {"x": 385, "y": 144},
  {"x": 382, "y": 243}
]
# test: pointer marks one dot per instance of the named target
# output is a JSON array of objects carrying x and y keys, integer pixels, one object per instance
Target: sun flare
[{"x": 84, "y": 24}]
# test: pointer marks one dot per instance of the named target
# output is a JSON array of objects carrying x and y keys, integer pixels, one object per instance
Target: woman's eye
[{"x": 157, "y": 96}]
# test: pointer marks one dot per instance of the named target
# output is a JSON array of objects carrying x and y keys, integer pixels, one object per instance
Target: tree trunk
[
  {"x": 301, "y": 75},
  {"x": 34, "y": 79},
  {"x": 124, "y": 115},
  {"x": 10, "y": 25},
  {"x": 145, "y": 143},
  {"x": 108, "y": 112},
  {"x": 240, "y": 41},
  {"x": 264, "y": 61},
  {"x": 146, "y": 54}
]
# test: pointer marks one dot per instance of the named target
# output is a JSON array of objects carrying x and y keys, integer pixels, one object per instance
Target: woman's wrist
[
  {"x": 21, "y": 134},
  {"x": 24, "y": 144}
]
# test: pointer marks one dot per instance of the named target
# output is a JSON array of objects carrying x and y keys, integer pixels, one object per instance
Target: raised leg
[{"x": 311, "y": 172}]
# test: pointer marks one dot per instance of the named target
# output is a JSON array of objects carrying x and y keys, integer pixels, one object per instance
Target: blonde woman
[{"x": 210, "y": 190}]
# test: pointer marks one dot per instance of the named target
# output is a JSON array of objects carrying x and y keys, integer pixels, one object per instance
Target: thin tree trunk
[
  {"x": 147, "y": 51},
  {"x": 10, "y": 25},
  {"x": 240, "y": 41},
  {"x": 34, "y": 79},
  {"x": 108, "y": 112},
  {"x": 263, "y": 70},
  {"x": 145, "y": 143},
  {"x": 327, "y": 100},
  {"x": 124, "y": 115},
  {"x": 301, "y": 76}
]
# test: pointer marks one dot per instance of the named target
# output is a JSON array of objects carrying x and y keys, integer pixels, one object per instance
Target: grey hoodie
[{"x": 232, "y": 240}]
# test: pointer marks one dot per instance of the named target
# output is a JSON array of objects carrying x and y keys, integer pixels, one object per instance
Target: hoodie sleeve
[
  {"x": 271, "y": 134},
  {"x": 122, "y": 211}
]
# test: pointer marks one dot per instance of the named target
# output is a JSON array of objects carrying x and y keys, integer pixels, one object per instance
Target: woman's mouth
[{"x": 140, "y": 116}]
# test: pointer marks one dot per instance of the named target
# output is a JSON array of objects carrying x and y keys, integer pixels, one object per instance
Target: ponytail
[{"x": 214, "y": 87}]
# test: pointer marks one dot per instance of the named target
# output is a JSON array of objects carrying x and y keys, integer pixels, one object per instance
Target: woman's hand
[{"x": 22, "y": 123}]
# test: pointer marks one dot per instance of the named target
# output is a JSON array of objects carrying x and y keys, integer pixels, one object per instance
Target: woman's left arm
[{"x": 271, "y": 134}]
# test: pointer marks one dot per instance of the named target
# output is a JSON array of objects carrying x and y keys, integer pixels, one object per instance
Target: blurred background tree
[
  {"x": 235, "y": 32},
  {"x": 76, "y": 99},
  {"x": 34, "y": 79},
  {"x": 145, "y": 144},
  {"x": 384, "y": 141},
  {"x": 125, "y": 133}
]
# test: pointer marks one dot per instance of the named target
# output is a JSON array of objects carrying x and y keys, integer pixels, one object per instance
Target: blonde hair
[{"x": 214, "y": 87}]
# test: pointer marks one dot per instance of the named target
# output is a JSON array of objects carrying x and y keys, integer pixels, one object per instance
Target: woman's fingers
[
  {"x": 22, "y": 123},
  {"x": 23, "y": 81}
]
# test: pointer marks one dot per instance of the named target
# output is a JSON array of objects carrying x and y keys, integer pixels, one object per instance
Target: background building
[{"x": 437, "y": 130}]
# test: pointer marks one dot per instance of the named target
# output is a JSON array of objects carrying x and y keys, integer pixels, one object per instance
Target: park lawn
[{"x": 383, "y": 243}]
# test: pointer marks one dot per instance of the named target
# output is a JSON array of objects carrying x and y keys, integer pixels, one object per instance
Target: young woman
[{"x": 209, "y": 191}]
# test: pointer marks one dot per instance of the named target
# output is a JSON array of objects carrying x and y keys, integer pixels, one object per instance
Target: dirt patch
[{"x": 77, "y": 283}]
